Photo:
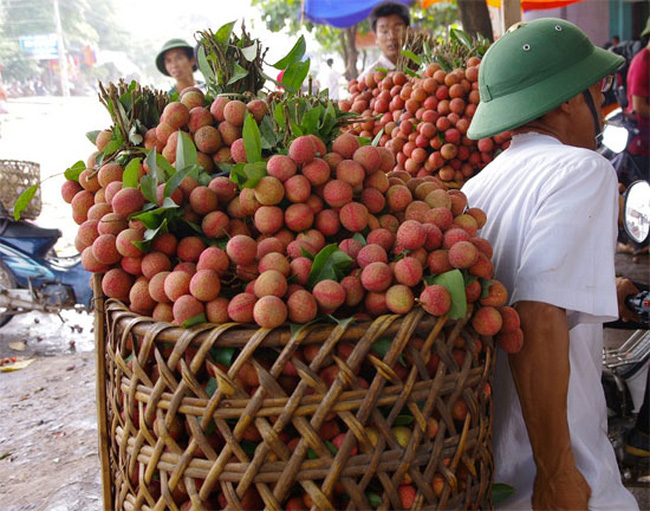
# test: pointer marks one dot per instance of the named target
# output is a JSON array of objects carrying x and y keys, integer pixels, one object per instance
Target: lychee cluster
[
  {"x": 254, "y": 261},
  {"x": 425, "y": 120},
  {"x": 216, "y": 129}
]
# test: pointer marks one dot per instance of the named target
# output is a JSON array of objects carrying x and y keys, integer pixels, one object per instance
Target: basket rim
[{"x": 237, "y": 334}]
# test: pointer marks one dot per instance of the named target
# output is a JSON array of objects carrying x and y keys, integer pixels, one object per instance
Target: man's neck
[{"x": 182, "y": 84}]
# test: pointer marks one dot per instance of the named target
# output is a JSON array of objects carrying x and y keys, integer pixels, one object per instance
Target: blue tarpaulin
[{"x": 341, "y": 13}]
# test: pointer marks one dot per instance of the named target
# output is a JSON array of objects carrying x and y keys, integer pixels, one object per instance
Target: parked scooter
[
  {"x": 32, "y": 277},
  {"x": 630, "y": 169},
  {"x": 625, "y": 368},
  {"x": 617, "y": 133}
]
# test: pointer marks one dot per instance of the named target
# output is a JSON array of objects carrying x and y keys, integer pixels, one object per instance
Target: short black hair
[{"x": 386, "y": 9}]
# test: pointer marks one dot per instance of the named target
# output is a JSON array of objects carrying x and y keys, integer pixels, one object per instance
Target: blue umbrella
[{"x": 341, "y": 14}]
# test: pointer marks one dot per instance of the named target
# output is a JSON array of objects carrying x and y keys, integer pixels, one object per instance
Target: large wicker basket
[
  {"x": 15, "y": 177},
  {"x": 271, "y": 446}
]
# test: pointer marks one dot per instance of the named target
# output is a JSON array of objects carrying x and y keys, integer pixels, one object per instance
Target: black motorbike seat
[{"x": 28, "y": 230}]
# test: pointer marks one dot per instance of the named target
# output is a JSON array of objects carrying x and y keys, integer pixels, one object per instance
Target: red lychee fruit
[
  {"x": 435, "y": 300},
  {"x": 302, "y": 150},
  {"x": 487, "y": 321},
  {"x": 270, "y": 312},
  {"x": 329, "y": 295}
]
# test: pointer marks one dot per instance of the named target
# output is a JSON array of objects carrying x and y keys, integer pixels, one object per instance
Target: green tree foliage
[
  {"x": 285, "y": 15},
  {"x": 84, "y": 22}
]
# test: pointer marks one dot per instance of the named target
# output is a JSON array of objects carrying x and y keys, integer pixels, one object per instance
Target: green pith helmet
[
  {"x": 173, "y": 44},
  {"x": 532, "y": 69}
]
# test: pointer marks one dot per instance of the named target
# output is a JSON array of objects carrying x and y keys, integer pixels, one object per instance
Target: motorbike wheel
[{"x": 7, "y": 281}]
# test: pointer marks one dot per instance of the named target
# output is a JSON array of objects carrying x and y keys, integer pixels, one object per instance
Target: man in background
[
  {"x": 176, "y": 59},
  {"x": 388, "y": 21},
  {"x": 329, "y": 78}
]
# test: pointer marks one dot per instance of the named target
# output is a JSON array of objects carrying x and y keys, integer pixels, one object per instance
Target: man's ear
[{"x": 568, "y": 105}]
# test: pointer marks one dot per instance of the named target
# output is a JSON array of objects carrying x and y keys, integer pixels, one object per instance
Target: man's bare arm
[{"x": 541, "y": 373}]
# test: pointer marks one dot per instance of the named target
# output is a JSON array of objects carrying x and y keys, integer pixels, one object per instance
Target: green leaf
[
  {"x": 377, "y": 139},
  {"x": 149, "y": 188},
  {"x": 164, "y": 168},
  {"x": 204, "y": 66},
  {"x": 239, "y": 73},
  {"x": 150, "y": 235},
  {"x": 461, "y": 37},
  {"x": 486, "y": 284},
  {"x": 359, "y": 237},
  {"x": 333, "y": 449},
  {"x": 248, "y": 447},
  {"x": 113, "y": 146},
  {"x": 269, "y": 135},
  {"x": 254, "y": 172},
  {"x": 295, "y": 55},
  {"x": 252, "y": 139},
  {"x": 364, "y": 141},
  {"x": 152, "y": 163},
  {"x": 153, "y": 219},
  {"x": 223, "y": 356},
  {"x": 381, "y": 346},
  {"x": 92, "y": 135},
  {"x": 237, "y": 174},
  {"x": 185, "y": 151},
  {"x": 373, "y": 499},
  {"x": 134, "y": 137},
  {"x": 72, "y": 173},
  {"x": 195, "y": 320},
  {"x": 212, "y": 386},
  {"x": 278, "y": 115},
  {"x": 329, "y": 263},
  {"x": 454, "y": 283},
  {"x": 295, "y": 74},
  {"x": 412, "y": 56},
  {"x": 412, "y": 73},
  {"x": 174, "y": 182},
  {"x": 23, "y": 201},
  {"x": 250, "y": 52},
  {"x": 306, "y": 253},
  {"x": 223, "y": 34},
  {"x": 130, "y": 176},
  {"x": 329, "y": 120},
  {"x": 311, "y": 120},
  {"x": 403, "y": 420},
  {"x": 342, "y": 322},
  {"x": 311, "y": 454},
  {"x": 501, "y": 492}
]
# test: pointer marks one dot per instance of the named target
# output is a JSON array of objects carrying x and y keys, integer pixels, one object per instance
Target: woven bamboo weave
[
  {"x": 15, "y": 177},
  {"x": 169, "y": 441}
]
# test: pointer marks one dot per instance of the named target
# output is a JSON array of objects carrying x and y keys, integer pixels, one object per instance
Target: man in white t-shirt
[
  {"x": 330, "y": 79},
  {"x": 388, "y": 21},
  {"x": 551, "y": 204}
]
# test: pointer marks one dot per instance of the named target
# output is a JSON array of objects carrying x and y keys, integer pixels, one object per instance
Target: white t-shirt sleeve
[{"x": 568, "y": 256}]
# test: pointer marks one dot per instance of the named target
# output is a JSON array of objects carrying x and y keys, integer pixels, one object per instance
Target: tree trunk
[
  {"x": 475, "y": 18},
  {"x": 350, "y": 51}
]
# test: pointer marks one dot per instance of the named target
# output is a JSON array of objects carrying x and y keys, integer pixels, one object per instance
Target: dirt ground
[{"x": 48, "y": 441}]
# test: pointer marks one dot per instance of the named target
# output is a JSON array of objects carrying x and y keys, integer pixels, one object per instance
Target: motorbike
[
  {"x": 618, "y": 131},
  {"x": 630, "y": 169},
  {"x": 625, "y": 368},
  {"x": 32, "y": 276}
]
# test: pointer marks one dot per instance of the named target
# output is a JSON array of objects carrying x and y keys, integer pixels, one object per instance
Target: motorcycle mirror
[
  {"x": 636, "y": 207},
  {"x": 615, "y": 138}
]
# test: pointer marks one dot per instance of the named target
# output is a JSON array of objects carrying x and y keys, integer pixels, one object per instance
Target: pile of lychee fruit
[
  {"x": 254, "y": 258},
  {"x": 425, "y": 120}
]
